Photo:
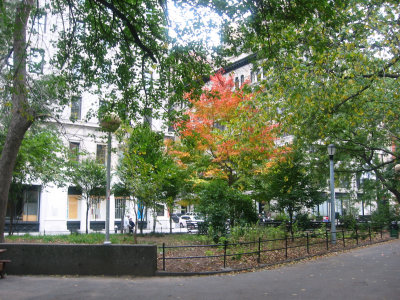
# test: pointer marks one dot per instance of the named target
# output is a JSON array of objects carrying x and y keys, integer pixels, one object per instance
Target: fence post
[
  {"x": 259, "y": 250},
  {"x": 163, "y": 256},
  {"x": 286, "y": 246},
  {"x": 308, "y": 245},
  {"x": 225, "y": 246},
  {"x": 344, "y": 243},
  {"x": 369, "y": 231},
  {"x": 327, "y": 239},
  {"x": 356, "y": 235}
]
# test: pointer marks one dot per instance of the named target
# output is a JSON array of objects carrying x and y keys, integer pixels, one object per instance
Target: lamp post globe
[
  {"x": 397, "y": 168},
  {"x": 331, "y": 149}
]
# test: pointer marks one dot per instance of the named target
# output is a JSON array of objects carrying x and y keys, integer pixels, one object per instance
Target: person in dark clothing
[{"x": 131, "y": 225}]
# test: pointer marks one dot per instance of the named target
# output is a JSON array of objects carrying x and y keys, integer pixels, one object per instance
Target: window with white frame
[
  {"x": 74, "y": 151},
  {"x": 101, "y": 151},
  {"x": 76, "y": 106},
  {"x": 40, "y": 22},
  {"x": 120, "y": 204}
]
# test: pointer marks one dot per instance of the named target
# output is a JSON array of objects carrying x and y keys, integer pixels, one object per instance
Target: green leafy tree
[
  {"x": 290, "y": 183},
  {"x": 41, "y": 159},
  {"x": 220, "y": 204},
  {"x": 173, "y": 183},
  {"x": 331, "y": 73},
  {"x": 90, "y": 177},
  {"x": 141, "y": 165}
]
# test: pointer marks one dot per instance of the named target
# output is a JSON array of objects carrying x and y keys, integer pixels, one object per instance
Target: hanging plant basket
[{"x": 110, "y": 122}]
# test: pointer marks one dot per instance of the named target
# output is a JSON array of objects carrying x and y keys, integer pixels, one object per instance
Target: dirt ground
[{"x": 202, "y": 258}]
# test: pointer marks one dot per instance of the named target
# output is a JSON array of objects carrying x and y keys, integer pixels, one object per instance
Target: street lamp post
[
  {"x": 109, "y": 123},
  {"x": 331, "y": 152}
]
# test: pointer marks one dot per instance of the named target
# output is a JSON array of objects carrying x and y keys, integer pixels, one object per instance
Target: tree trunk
[
  {"x": 87, "y": 215},
  {"x": 291, "y": 224},
  {"x": 123, "y": 215},
  {"x": 21, "y": 117},
  {"x": 154, "y": 219}
]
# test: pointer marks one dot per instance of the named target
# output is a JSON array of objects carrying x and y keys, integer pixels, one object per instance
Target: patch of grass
[{"x": 98, "y": 238}]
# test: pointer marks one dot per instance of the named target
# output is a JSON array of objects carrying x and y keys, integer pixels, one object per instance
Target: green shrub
[
  {"x": 282, "y": 217},
  {"x": 363, "y": 227},
  {"x": 348, "y": 221},
  {"x": 220, "y": 203},
  {"x": 303, "y": 221},
  {"x": 237, "y": 233}
]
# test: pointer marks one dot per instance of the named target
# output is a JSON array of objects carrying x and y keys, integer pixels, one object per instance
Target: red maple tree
[{"x": 227, "y": 130}]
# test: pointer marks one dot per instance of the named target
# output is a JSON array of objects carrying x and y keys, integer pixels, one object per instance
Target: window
[
  {"x": 73, "y": 206},
  {"x": 74, "y": 195},
  {"x": 74, "y": 151},
  {"x": 101, "y": 154},
  {"x": 31, "y": 203},
  {"x": 76, "y": 105},
  {"x": 95, "y": 208},
  {"x": 237, "y": 82},
  {"x": 241, "y": 80},
  {"x": 36, "y": 61},
  {"x": 183, "y": 209},
  {"x": 24, "y": 205},
  {"x": 119, "y": 208},
  {"x": 40, "y": 22},
  {"x": 160, "y": 210}
]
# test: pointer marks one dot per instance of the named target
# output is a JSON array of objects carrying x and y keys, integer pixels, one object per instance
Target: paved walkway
[{"x": 365, "y": 273}]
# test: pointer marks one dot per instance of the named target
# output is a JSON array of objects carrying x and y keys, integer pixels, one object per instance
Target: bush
[
  {"x": 348, "y": 221},
  {"x": 282, "y": 218},
  {"x": 383, "y": 218},
  {"x": 220, "y": 203},
  {"x": 303, "y": 221}
]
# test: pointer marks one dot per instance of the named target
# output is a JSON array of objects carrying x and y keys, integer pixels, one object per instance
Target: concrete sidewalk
[{"x": 365, "y": 273}]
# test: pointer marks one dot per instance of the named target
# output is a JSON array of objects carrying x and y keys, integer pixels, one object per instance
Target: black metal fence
[{"x": 261, "y": 252}]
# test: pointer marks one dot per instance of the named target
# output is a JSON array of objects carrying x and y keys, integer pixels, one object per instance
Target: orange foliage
[{"x": 225, "y": 123}]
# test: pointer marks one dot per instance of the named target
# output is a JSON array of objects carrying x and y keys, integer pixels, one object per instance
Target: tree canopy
[
  {"x": 224, "y": 134},
  {"x": 89, "y": 176},
  {"x": 290, "y": 183},
  {"x": 112, "y": 49},
  {"x": 331, "y": 72}
]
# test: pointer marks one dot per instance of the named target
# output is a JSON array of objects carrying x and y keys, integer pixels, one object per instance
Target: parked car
[
  {"x": 189, "y": 221},
  {"x": 183, "y": 219}
]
